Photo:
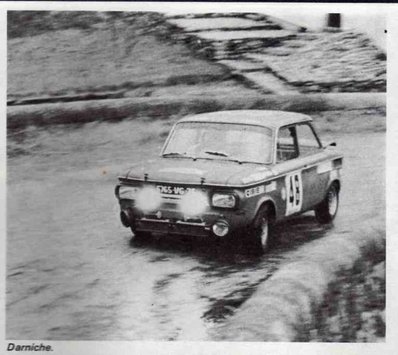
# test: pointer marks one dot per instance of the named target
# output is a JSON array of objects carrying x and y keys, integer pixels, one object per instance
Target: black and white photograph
[{"x": 207, "y": 173}]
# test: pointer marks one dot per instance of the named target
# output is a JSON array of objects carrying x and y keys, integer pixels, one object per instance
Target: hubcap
[{"x": 332, "y": 202}]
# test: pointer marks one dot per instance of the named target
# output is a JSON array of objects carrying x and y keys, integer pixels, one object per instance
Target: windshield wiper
[
  {"x": 250, "y": 162},
  {"x": 221, "y": 154},
  {"x": 176, "y": 154},
  {"x": 246, "y": 162}
]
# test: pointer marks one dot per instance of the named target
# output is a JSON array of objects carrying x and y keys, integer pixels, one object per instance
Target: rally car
[{"x": 232, "y": 174}]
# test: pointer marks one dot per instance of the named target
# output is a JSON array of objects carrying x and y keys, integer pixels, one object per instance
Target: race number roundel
[{"x": 294, "y": 193}]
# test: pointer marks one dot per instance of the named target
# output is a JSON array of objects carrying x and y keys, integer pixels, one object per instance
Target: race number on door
[{"x": 294, "y": 193}]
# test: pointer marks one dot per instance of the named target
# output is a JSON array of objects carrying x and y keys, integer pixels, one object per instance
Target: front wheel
[
  {"x": 327, "y": 209},
  {"x": 261, "y": 231}
]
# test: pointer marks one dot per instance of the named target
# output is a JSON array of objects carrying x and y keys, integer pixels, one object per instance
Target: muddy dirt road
[{"x": 72, "y": 273}]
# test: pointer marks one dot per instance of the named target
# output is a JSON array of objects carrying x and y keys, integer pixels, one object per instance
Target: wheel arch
[
  {"x": 323, "y": 213},
  {"x": 270, "y": 203},
  {"x": 337, "y": 183}
]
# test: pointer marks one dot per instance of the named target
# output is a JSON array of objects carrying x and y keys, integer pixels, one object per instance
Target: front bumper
[
  {"x": 172, "y": 227},
  {"x": 170, "y": 221}
]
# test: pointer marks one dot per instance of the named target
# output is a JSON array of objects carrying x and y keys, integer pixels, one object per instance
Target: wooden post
[{"x": 334, "y": 20}]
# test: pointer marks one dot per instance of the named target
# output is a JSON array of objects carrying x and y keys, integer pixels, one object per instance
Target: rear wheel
[
  {"x": 261, "y": 233},
  {"x": 327, "y": 209}
]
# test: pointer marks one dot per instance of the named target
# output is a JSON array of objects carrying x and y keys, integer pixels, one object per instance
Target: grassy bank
[
  {"x": 165, "y": 107},
  {"x": 72, "y": 53},
  {"x": 353, "y": 309},
  {"x": 290, "y": 305}
]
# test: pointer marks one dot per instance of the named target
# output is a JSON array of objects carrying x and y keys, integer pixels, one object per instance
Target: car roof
[{"x": 265, "y": 118}]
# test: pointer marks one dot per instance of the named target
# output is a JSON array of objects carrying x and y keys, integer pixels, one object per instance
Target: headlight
[
  {"x": 148, "y": 199},
  {"x": 194, "y": 203},
  {"x": 128, "y": 192},
  {"x": 223, "y": 200}
]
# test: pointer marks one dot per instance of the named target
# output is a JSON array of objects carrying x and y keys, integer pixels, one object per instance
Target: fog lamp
[
  {"x": 220, "y": 228},
  {"x": 148, "y": 199},
  {"x": 194, "y": 203}
]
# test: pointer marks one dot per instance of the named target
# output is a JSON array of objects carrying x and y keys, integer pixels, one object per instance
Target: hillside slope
[
  {"x": 144, "y": 54},
  {"x": 68, "y": 53}
]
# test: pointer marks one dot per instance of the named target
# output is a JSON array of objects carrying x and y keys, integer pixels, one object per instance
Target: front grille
[
  {"x": 170, "y": 202},
  {"x": 171, "y": 197},
  {"x": 170, "y": 206}
]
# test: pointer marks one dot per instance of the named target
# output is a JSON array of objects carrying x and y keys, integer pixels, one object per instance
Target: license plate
[{"x": 174, "y": 190}]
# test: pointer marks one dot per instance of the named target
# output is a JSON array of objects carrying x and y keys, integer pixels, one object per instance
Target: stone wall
[
  {"x": 301, "y": 61},
  {"x": 325, "y": 62}
]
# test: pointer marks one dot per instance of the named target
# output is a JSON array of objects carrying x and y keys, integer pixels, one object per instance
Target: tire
[
  {"x": 326, "y": 211},
  {"x": 261, "y": 230}
]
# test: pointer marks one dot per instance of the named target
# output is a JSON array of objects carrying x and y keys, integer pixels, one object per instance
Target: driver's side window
[
  {"x": 307, "y": 140},
  {"x": 286, "y": 145}
]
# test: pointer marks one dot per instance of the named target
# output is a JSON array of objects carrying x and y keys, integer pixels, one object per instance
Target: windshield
[{"x": 200, "y": 140}]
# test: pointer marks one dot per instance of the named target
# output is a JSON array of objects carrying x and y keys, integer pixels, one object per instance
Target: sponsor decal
[
  {"x": 324, "y": 167},
  {"x": 258, "y": 190},
  {"x": 174, "y": 190},
  {"x": 254, "y": 191},
  {"x": 294, "y": 193}
]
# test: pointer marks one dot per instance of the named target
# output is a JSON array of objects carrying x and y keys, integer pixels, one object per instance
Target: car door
[
  {"x": 299, "y": 154},
  {"x": 314, "y": 161},
  {"x": 289, "y": 169}
]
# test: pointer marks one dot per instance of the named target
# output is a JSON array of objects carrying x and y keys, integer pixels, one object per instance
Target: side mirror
[{"x": 331, "y": 144}]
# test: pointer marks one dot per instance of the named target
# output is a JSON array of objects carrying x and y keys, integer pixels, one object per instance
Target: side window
[
  {"x": 286, "y": 145},
  {"x": 308, "y": 143}
]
